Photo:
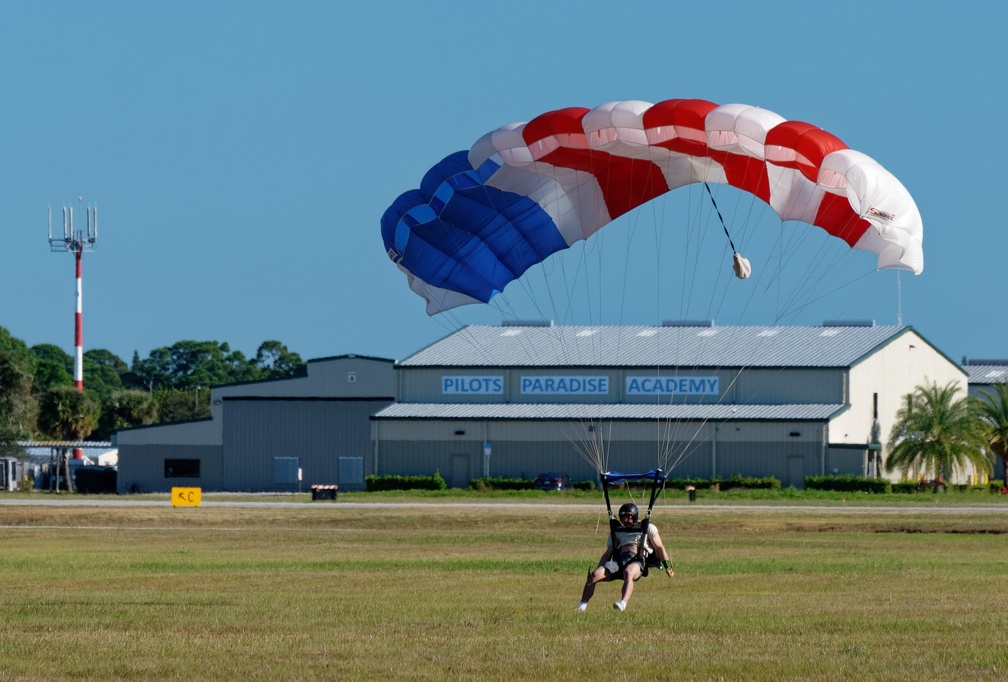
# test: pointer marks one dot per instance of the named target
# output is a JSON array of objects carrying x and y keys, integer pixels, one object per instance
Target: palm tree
[
  {"x": 936, "y": 431},
  {"x": 68, "y": 414},
  {"x": 993, "y": 411}
]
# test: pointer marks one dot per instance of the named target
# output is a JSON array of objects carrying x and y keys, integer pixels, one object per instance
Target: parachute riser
[{"x": 613, "y": 522}]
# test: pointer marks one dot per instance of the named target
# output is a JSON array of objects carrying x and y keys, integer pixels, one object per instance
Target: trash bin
[
  {"x": 692, "y": 493},
  {"x": 323, "y": 492}
]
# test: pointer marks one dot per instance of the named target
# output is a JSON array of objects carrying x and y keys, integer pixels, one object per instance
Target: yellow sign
[{"x": 186, "y": 497}]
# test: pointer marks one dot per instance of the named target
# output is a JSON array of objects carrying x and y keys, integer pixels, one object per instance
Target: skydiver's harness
[{"x": 647, "y": 559}]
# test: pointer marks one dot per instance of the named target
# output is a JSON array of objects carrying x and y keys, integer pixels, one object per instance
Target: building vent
[
  {"x": 687, "y": 323},
  {"x": 848, "y": 323},
  {"x": 526, "y": 323}
]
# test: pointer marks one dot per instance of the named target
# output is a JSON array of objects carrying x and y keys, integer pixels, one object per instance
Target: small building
[
  {"x": 699, "y": 400},
  {"x": 279, "y": 435},
  {"x": 10, "y": 473}
]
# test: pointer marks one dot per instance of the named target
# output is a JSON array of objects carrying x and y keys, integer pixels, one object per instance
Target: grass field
[{"x": 425, "y": 592}]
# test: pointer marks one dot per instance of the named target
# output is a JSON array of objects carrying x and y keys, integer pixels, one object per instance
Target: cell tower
[{"x": 76, "y": 242}]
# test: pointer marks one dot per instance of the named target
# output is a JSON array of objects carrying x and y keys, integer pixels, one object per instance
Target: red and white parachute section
[
  {"x": 587, "y": 167},
  {"x": 481, "y": 218}
]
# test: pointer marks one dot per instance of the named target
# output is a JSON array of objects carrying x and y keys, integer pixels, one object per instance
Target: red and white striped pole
[
  {"x": 77, "y": 243},
  {"x": 78, "y": 453},
  {"x": 79, "y": 330}
]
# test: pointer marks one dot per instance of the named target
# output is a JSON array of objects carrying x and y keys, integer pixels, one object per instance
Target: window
[{"x": 181, "y": 468}]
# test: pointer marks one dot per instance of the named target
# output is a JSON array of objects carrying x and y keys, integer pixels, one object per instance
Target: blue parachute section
[
  {"x": 459, "y": 234},
  {"x": 615, "y": 477}
]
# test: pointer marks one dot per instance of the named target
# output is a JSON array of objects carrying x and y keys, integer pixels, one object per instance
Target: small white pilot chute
[{"x": 741, "y": 266}]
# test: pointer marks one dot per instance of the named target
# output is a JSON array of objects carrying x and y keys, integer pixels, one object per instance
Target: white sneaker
[
  {"x": 582, "y": 607},
  {"x": 620, "y": 605}
]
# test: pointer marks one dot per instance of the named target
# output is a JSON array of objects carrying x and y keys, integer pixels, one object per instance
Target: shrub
[
  {"x": 748, "y": 482},
  {"x": 378, "y": 483},
  {"x": 683, "y": 484},
  {"x": 849, "y": 484},
  {"x": 970, "y": 488},
  {"x": 905, "y": 487},
  {"x": 500, "y": 483},
  {"x": 95, "y": 480},
  {"x": 583, "y": 485},
  {"x": 736, "y": 482}
]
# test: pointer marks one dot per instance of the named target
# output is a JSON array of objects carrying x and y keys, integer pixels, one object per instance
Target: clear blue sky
[{"x": 242, "y": 153}]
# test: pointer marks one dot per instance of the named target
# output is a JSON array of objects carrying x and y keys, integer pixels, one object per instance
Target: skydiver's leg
[
  {"x": 598, "y": 575},
  {"x": 630, "y": 574}
]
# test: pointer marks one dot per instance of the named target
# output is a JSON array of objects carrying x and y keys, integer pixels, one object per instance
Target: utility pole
[{"x": 76, "y": 242}]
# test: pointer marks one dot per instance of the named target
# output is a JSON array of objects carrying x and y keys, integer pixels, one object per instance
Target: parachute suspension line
[
  {"x": 899, "y": 300},
  {"x": 718, "y": 211},
  {"x": 740, "y": 265}
]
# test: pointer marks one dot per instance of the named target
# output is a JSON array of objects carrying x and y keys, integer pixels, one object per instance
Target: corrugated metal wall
[
  {"x": 788, "y": 451},
  {"x": 316, "y": 431},
  {"x": 143, "y": 468},
  {"x": 460, "y": 461}
]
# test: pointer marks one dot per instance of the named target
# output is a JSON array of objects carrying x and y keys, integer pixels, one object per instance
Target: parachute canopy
[{"x": 481, "y": 218}]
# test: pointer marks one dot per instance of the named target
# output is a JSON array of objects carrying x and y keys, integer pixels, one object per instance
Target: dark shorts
[{"x": 613, "y": 566}]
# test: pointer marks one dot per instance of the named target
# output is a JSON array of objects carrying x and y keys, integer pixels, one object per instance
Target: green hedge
[
  {"x": 378, "y": 483},
  {"x": 95, "y": 480},
  {"x": 849, "y": 484},
  {"x": 736, "y": 482},
  {"x": 503, "y": 483},
  {"x": 500, "y": 483}
]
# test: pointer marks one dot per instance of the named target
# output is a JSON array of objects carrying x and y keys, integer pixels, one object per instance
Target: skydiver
[{"x": 625, "y": 561}]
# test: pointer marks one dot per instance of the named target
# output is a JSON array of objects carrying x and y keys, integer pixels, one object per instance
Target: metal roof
[
  {"x": 552, "y": 411},
  {"x": 992, "y": 372},
  {"x": 670, "y": 346}
]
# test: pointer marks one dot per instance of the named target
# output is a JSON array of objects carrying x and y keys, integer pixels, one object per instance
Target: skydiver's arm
[{"x": 662, "y": 553}]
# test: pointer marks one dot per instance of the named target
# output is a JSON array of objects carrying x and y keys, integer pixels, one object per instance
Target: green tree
[
  {"x": 124, "y": 409},
  {"x": 18, "y": 408},
  {"x": 993, "y": 411},
  {"x": 186, "y": 365},
  {"x": 47, "y": 352},
  {"x": 67, "y": 414},
  {"x": 49, "y": 374},
  {"x": 240, "y": 369},
  {"x": 131, "y": 378},
  {"x": 277, "y": 362},
  {"x": 103, "y": 372},
  {"x": 176, "y": 405},
  {"x": 937, "y": 431}
]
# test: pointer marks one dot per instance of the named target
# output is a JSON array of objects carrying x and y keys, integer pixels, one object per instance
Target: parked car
[{"x": 552, "y": 480}]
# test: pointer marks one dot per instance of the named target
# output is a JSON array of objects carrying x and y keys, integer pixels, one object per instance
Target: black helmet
[{"x": 629, "y": 509}]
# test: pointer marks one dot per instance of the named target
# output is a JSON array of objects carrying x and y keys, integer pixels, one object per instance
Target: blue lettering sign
[
  {"x": 472, "y": 385},
  {"x": 658, "y": 385},
  {"x": 565, "y": 385}
]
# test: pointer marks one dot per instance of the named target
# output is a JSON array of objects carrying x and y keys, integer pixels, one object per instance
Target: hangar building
[
  {"x": 521, "y": 399},
  {"x": 278, "y": 435}
]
